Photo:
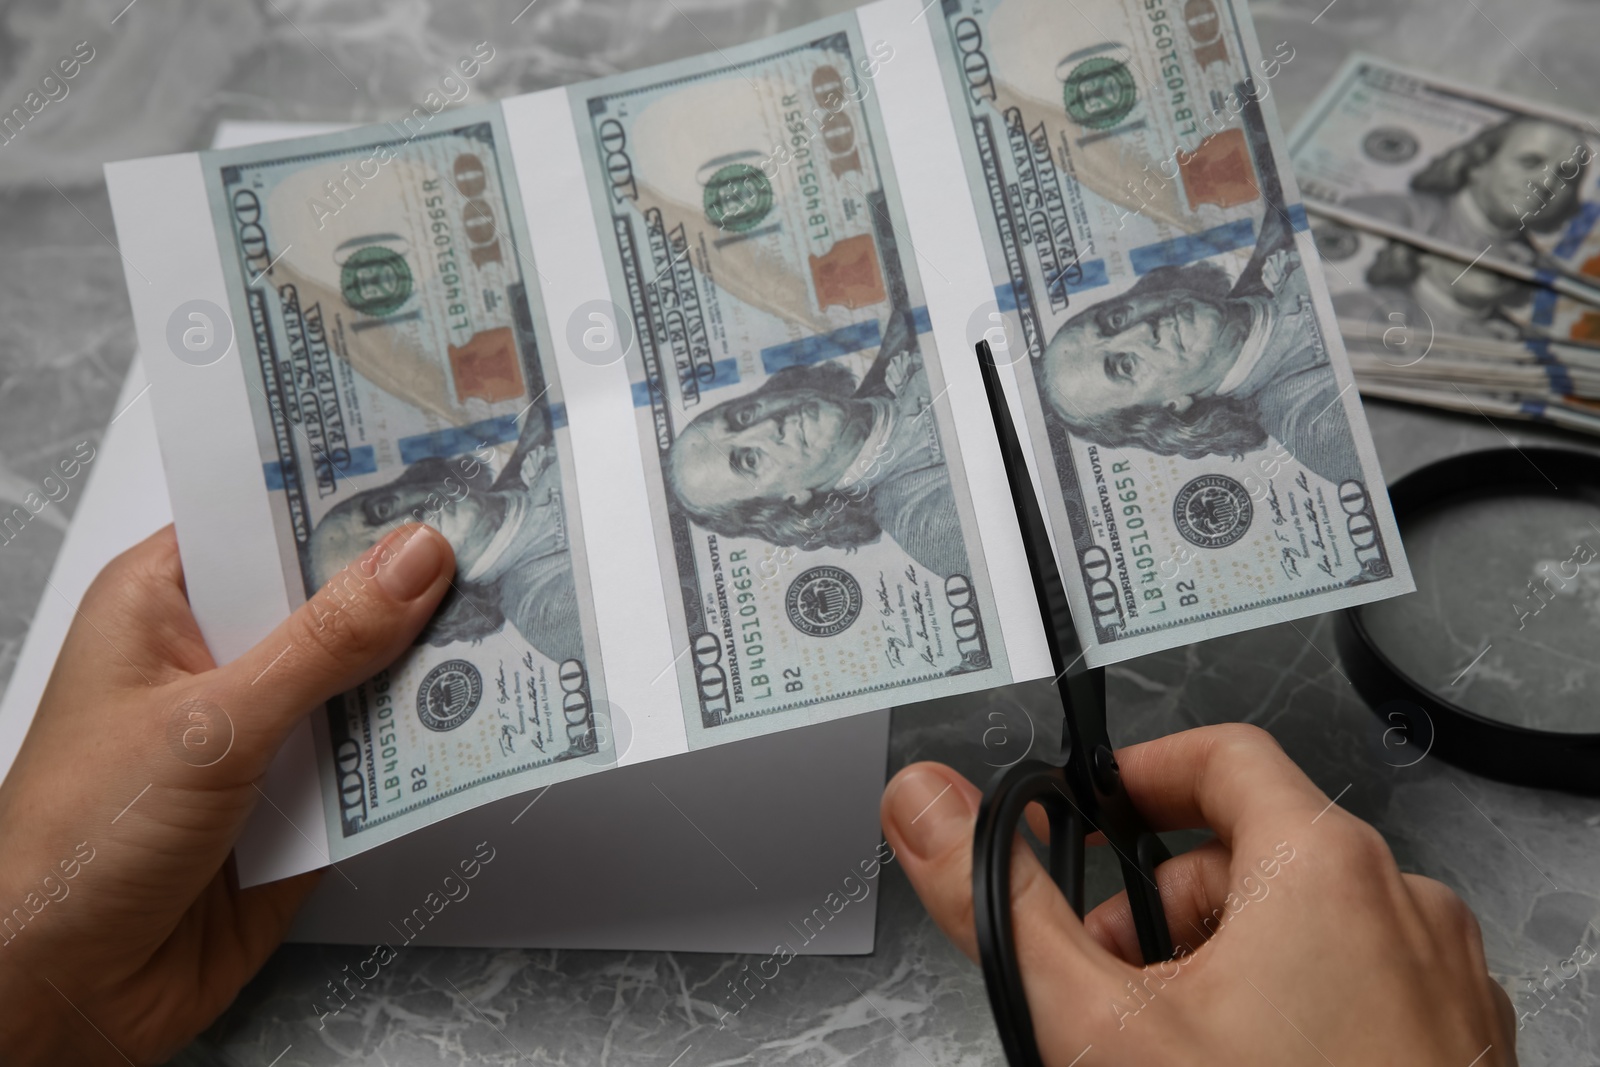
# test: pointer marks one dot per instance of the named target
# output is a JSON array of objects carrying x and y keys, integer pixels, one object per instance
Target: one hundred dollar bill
[
  {"x": 1182, "y": 377},
  {"x": 398, "y": 365},
  {"x": 1394, "y": 292},
  {"x": 818, "y": 547},
  {"x": 1407, "y": 314},
  {"x": 1486, "y": 179}
]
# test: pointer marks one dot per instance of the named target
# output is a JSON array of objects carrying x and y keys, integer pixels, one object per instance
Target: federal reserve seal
[
  {"x": 823, "y": 601},
  {"x": 449, "y": 695},
  {"x": 1099, "y": 93},
  {"x": 1213, "y": 511},
  {"x": 1390, "y": 144}
]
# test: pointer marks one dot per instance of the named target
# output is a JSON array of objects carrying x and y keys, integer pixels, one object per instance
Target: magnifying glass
[{"x": 1493, "y": 664}]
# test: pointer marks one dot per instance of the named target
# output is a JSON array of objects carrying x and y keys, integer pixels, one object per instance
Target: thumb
[{"x": 353, "y": 627}]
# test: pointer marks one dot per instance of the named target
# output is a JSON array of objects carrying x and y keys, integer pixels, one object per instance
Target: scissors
[{"x": 1080, "y": 793}]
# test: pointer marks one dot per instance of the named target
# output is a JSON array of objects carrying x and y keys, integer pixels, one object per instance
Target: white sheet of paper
[
  {"x": 714, "y": 851},
  {"x": 165, "y": 226}
]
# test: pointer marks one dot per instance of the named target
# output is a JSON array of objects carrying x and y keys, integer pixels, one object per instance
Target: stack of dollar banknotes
[
  {"x": 1458, "y": 228},
  {"x": 682, "y": 363}
]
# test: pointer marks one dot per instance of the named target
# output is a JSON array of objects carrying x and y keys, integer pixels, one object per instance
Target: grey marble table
[{"x": 167, "y": 70}]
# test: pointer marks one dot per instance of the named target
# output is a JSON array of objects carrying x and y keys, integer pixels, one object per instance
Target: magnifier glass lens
[{"x": 1505, "y": 621}]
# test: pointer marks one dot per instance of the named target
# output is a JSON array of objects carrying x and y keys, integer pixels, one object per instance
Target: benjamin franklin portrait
[
  {"x": 814, "y": 459},
  {"x": 513, "y": 560},
  {"x": 1519, "y": 177},
  {"x": 1190, "y": 362}
]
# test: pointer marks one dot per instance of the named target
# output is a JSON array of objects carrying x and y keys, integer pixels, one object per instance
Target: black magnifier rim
[{"x": 1506, "y": 752}]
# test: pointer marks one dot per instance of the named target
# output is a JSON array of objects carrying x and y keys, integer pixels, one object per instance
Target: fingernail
[
  {"x": 412, "y": 565},
  {"x": 929, "y": 811}
]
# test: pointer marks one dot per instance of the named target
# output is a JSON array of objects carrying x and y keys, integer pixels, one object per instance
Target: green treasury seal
[
  {"x": 738, "y": 197},
  {"x": 1099, "y": 93},
  {"x": 375, "y": 281}
]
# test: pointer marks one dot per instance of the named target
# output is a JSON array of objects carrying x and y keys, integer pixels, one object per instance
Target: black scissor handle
[{"x": 999, "y": 816}]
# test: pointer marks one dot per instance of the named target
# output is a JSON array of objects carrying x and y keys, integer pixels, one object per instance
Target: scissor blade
[{"x": 1065, "y": 651}]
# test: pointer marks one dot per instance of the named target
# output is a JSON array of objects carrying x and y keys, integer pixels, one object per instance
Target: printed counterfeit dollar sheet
[{"x": 681, "y": 362}]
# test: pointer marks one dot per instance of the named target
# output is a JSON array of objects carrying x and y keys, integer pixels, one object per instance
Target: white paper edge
[
  {"x": 170, "y": 257},
  {"x": 209, "y": 453},
  {"x": 954, "y": 267},
  {"x": 625, "y": 578}
]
